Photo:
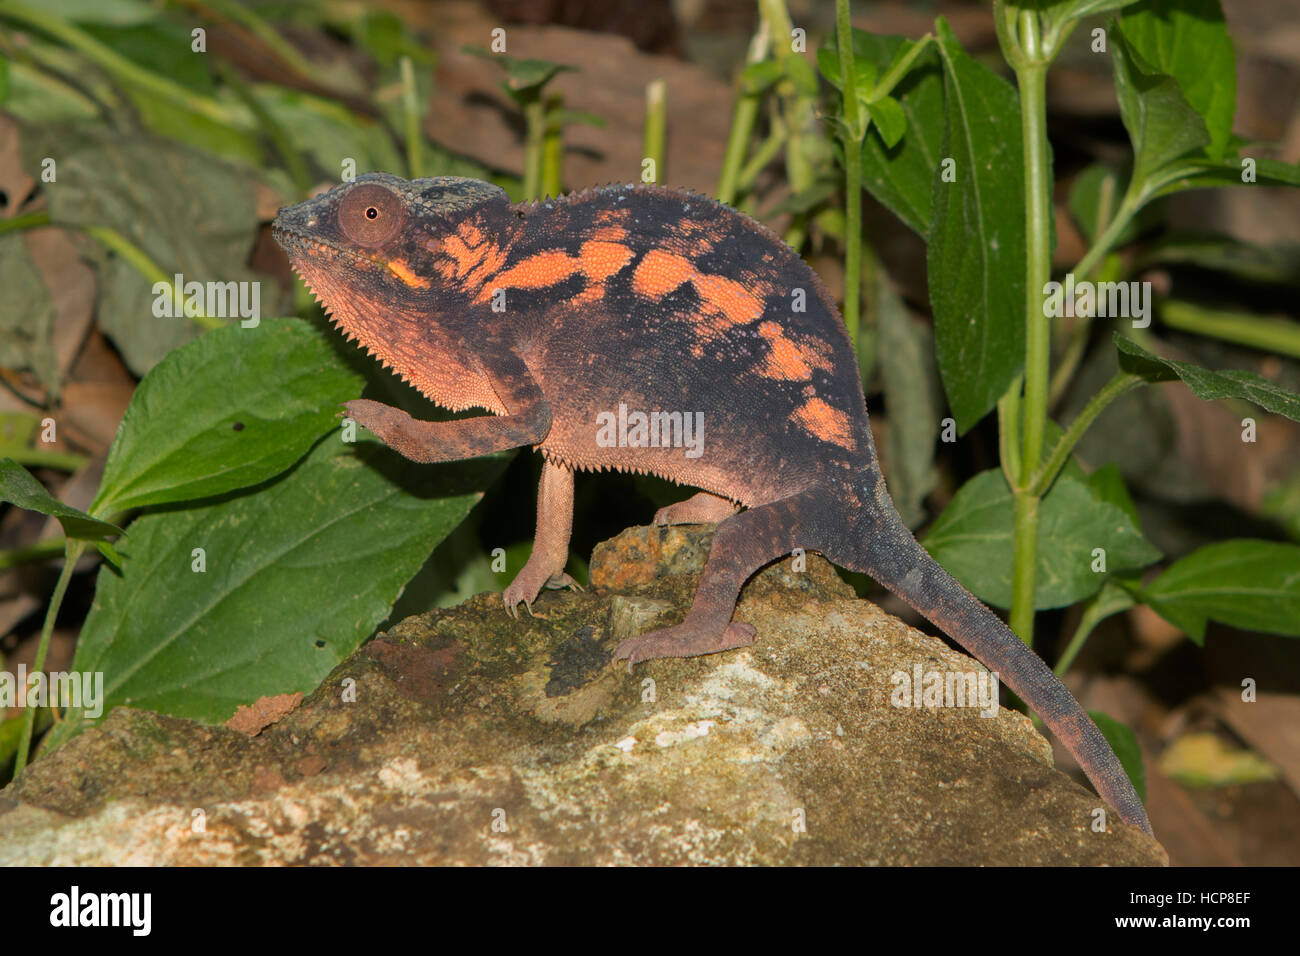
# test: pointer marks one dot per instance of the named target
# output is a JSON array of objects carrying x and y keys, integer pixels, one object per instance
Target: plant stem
[
  {"x": 656, "y": 127},
  {"x": 1108, "y": 601},
  {"x": 852, "y": 142},
  {"x": 280, "y": 142},
  {"x": 742, "y": 123},
  {"x": 553, "y": 148},
  {"x": 29, "y": 220},
  {"x": 133, "y": 254},
  {"x": 1031, "y": 76},
  {"x": 411, "y": 115},
  {"x": 1128, "y": 208},
  {"x": 1046, "y": 474},
  {"x": 71, "y": 552},
  {"x": 535, "y": 132},
  {"x": 39, "y": 551},
  {"x": 41, "y": 458},
  {"x": 1257, "y": 331}
]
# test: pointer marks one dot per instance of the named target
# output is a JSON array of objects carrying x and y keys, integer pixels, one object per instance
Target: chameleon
[{"x": 555, "y": 316}]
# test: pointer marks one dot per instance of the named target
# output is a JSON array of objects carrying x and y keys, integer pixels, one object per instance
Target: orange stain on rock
[{"x": 826, "y": 422}]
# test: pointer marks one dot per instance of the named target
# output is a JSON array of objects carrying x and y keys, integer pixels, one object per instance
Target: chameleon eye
[{"x": 371, "y": 214}]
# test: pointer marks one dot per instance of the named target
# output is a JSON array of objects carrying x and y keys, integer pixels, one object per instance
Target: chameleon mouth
[{"x": 298, "y": 243}]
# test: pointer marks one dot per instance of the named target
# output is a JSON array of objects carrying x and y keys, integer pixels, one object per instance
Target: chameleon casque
[{"x": 659, "y": 300}]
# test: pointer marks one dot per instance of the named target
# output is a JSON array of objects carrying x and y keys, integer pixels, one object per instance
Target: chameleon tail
[{"x": 895, "y": 559}]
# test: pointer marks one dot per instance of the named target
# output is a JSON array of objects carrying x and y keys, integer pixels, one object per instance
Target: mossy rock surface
[{"x": 466, "y": 737}]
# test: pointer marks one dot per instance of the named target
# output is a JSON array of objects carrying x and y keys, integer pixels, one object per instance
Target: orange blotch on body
[
  {"x": 660, "y": 273},
  {"x": 536, "y": 272},
  {"x": 399, "y": 268},
  {"x": 826, "y": 422}
]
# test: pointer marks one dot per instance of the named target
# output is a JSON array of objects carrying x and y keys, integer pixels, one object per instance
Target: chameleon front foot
[
  {"x": 523, "y": 591},
  {"x": 684, "y": 641}
]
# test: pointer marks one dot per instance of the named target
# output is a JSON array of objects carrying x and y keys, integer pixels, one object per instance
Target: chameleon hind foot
[{"x": 685, "y": 640}]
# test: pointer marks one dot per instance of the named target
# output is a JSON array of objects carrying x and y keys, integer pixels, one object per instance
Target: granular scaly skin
[{"x": 557, "y": 316}]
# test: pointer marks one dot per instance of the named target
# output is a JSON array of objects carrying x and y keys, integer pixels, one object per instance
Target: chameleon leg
[
  {"x": 704, "y": 508},
  {"x": 428, "y": 442},
  {"x": 742, "y": 544},
  {"x": 545, "y": 566},
  {"x": 526, "y": 417}
]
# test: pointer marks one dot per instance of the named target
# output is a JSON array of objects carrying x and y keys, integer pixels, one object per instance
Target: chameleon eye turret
[{"x": 370, "y": 214}]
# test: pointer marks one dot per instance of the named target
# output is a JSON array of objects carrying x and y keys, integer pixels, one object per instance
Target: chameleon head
[{"x": 364, "y": 247}]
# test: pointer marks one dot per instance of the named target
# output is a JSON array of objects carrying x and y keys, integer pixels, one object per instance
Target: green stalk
[
  {"x": 293, "y": 161},
  {"x": 852, "y": 141},
  {"x": 133, "y": 254},
  {"x": 40, "y": 551},
  {"x": 1120, "y": 383},
  {"x": 255, "y": 25},
  {"x": 535, "y": 132},
  {"x": 43, "y": 458},
  {"x": 72, "y": 551},
  {"x": 1110, "y": 600},
  {"x": 742, "y": 124},
  {"x": 1257, "y": 331},
  {"x": 411, "y": 114},
  {"x": 553, "y": 149},
  {"x": 30, "y": 220},
  {"x": 656, "y": 126},
  {"x": 1031, "y": 76}
]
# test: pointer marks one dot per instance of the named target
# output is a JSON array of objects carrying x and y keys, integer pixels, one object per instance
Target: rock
[{"x": 464, "y": 737}]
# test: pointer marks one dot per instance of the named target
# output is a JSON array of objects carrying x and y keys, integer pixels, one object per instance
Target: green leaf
[
  {"x": 1197, "y": 173},
  {"x": 1231, "y": 383},
  {"x": 972, "y": 539},
  {"x": 18, "y": 487},
  {"x": 1245, "y": 583},
  {"x": 802, "y": 74},
  {"x": 255, "y": 400},
  {"x": 298, "y": 573},
  {"x": 889, "y": 118},
  {"x": 1124, "y": 742},
  {"x": 976, "y": 255},
  {"x": 27, "y": 320},
  {"x": 901, "y": 176},
  {"x": 1096, "y": 194},
  {"x": 1078, "y": 9},
  {"x": 1107, "y": 485},
  {"x": 1160, "y": 122},
  {"x": 805, "y": 200},
  {"x": 119, "y": 13},
  {"x": 1279, "y": 264},
  {"x": 759, "y": 76},
  {"x": 1188, "y": 40},
  {"x": 915, "y": 399},
  {"x": 329, "y": 133},
  {"x": 522, "y": 75},
  {"x": 191, "y": 214}
]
